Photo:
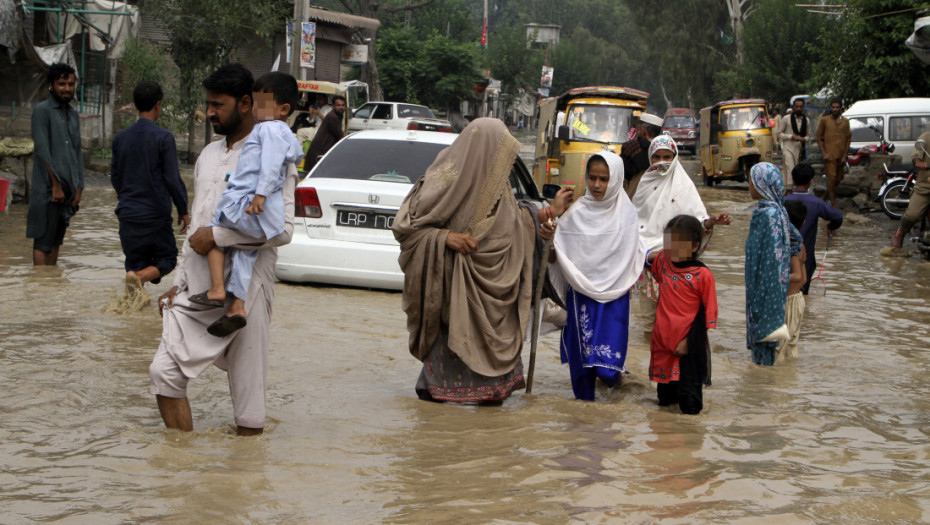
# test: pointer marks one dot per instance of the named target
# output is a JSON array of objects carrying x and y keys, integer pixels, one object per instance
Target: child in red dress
[{"x": 680, "y": 353}]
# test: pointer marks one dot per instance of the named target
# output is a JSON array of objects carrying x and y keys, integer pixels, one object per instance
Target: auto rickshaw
[
  {"x": 299, "y": 119},
  {"x": 734, "y": 137},
  {"x": 578, "y": 124}
]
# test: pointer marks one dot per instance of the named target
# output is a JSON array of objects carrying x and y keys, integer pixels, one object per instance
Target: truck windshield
[
  {"x": 597, "y": 123},
  {"x": 738, "y": 119},
  {"x": 677, "y": 122}
]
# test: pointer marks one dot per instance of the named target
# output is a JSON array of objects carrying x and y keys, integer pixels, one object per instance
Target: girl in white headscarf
[
  {"x": 598, "y": 258},
  {"x": 664, "y": 192}
]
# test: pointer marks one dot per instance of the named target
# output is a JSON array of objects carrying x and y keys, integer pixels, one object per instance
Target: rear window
[
  {"x": 866, "y": 129},
  {"x": 411, "y": 111},
  {"x": 907, "y": 128},
  {"x": 678, "y": 122},
  {"x": 403, "y": 161}
]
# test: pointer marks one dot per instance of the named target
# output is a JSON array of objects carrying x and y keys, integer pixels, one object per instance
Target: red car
[{"x": 680, "y": 124}]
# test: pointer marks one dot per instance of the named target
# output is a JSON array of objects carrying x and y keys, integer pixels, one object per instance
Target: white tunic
[{"x": 184, "y": 334}]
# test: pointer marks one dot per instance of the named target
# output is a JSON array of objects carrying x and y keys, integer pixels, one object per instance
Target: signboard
[
  {"x": 308, "y": 44},
  {"x": 546, "y": 80},
  {"x": 355, "y": 54}
]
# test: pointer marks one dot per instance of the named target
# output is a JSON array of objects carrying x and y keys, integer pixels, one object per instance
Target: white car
[
  {"x": 396, "y": 115},
  {"x": 346, "y": 205}
]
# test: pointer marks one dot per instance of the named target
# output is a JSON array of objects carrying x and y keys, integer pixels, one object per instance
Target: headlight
[
  {"x": 692, "y": 134},
  {"x": 750, "y": 142}
]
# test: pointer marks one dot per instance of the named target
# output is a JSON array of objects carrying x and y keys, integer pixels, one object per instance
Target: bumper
[{"x": 340, "y": 262}]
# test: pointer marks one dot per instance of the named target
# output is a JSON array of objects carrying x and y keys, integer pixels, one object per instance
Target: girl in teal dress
[{"x": 771, "y": 242}]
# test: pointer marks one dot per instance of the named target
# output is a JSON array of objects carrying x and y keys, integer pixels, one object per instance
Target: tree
[
  {"x": 739, "y": 11},
  {"x": 517, "y": 66},
  {"x": 432, "y": 71},
  {"x": 682, "y": 53},
  {"x": 204, "y": 33},
  {"x": 776, "y": 60},
  {"x": 371, "y": 9},
  {"x": 861, "y": 54}
]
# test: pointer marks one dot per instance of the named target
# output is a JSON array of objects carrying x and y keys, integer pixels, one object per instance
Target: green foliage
[
  {"x": 451, "y": 18},
  {"x": 433, "y": 71},
  {"x": 684, "y": 52},
  {"x": 864, "y": 58},
  {"x": 517, "y": 67},
  {"x": 204, "y": 33},
  {"x": 147, "y": 61},
  {"x": 776, "y": 59}
]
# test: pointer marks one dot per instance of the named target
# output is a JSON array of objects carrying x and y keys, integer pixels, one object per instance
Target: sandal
[
  {"x": 226, "y": 325},
  {"x": 203, "y": 300}
]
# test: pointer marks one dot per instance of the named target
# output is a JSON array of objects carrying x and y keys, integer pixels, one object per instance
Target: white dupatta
[
  {"x": 598, "y": 251},
  {"x": 662, "y": 195}
]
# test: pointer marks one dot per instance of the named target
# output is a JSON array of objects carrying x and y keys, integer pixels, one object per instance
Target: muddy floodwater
[{"x": 840, "y": 436}]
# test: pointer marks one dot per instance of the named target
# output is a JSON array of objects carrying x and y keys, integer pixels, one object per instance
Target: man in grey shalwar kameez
[
  {"x": 58, "y": 168},
  {"x": 186, "y": 350}
]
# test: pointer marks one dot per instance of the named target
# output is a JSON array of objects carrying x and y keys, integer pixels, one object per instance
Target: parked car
[
  {"x": 396, "y": 115},
  {"x": 681, "y": 126},
  {"x": 345, "y": 208}
]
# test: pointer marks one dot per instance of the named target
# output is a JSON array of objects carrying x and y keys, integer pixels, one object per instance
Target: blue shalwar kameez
[
  {"x": 261, "y": 170},
  {"x": 599, "y": 257}
]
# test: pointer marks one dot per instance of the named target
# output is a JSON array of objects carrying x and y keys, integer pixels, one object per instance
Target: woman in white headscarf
[
  {"x": 598, "y": 258},
  {"x": 664, "y": 192}
]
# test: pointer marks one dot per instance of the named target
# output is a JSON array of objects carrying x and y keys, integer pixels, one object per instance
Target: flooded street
[{"x": 842, "y": 435}]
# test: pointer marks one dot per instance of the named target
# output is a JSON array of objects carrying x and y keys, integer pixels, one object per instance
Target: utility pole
[{"x": 300, "y": 16}]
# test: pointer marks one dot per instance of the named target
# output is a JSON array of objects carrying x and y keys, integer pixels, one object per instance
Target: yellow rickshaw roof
[
  {"x": 738, "y": 101},
  {"x": 319, "y": 86},
  {"x": 608, "y": 91}
]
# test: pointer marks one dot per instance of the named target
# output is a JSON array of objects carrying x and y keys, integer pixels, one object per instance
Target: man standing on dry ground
[
  {"x": 144, "y": 172},
  {"x": 58, "y": 168},
  {"x": 834, "y": 136},
  {"x": 330, "y": 131}
]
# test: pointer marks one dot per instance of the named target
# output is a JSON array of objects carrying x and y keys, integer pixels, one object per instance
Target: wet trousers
[{"x": 918, "y": 205}]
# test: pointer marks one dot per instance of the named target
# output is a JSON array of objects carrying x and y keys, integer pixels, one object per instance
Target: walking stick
[
  {"x": 824, "y": 260},
  {"x": 537, "y": 313}
]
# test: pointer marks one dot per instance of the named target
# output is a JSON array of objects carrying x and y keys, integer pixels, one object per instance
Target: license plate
[{"x": 365, "y": 219}]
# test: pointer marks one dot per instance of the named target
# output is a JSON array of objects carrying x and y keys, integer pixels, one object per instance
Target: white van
[{"x": 897, "y": 120}]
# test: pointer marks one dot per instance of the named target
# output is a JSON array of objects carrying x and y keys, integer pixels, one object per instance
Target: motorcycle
[
  {"x": 897, "y": 185},
  {"x": 862, "y": 156}
]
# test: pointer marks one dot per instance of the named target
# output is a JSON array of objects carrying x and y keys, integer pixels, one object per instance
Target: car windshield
[
  {"x": 596, "y": 123},
  {"x": 678, "y": 122},
  {"x": 403, "y": 161},
  {"x": 738, "y": 119},
  {"x": 411, "y": 111}
]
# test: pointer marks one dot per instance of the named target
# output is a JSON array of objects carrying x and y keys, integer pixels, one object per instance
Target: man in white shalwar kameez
[{"x": 186, "y": 349}]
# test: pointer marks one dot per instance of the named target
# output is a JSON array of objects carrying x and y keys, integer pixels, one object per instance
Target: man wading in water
[{"x": 186, "y": 350}]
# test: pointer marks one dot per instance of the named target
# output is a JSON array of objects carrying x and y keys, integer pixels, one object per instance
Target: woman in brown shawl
[{"x": 467, "y": 252}]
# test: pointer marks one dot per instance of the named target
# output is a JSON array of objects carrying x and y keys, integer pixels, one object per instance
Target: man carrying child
[{"x": 186, "y": 350}]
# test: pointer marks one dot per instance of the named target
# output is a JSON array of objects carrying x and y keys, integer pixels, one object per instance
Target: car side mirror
[
  {"x": 920, "y": 144},
  {"x": 563, "y": 133},
  {"x": 549, "y": 191}
]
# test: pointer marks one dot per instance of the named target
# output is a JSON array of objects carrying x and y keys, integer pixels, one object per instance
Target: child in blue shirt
[{"x": 252, "y": 203}]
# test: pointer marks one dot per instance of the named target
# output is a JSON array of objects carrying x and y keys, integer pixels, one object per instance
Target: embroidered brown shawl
[{"x": 483, "y": 298}]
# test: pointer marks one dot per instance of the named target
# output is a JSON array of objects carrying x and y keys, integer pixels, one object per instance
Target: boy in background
[{"x": 144, "y": 172}]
